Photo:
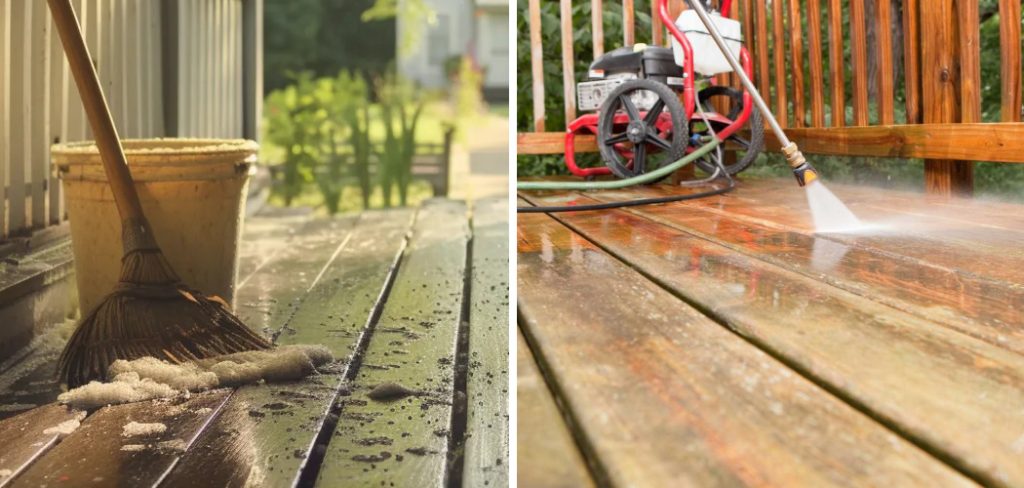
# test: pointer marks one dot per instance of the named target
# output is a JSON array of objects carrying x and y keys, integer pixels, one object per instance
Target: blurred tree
[{"x": 324, "y": 36}]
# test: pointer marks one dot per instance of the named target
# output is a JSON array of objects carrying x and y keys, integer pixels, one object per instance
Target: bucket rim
[{"x": 188, "y": 147}]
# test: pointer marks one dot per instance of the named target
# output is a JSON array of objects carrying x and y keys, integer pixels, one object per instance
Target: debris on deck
[{"x": 394, "y": 295}]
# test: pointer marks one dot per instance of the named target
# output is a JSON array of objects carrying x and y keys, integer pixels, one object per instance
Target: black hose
[{"x": 629, "y": 203}]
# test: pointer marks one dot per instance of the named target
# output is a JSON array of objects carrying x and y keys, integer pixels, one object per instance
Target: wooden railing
[
  {"x": 181, "y": 68},
  {"x": 931, "y": 72}
]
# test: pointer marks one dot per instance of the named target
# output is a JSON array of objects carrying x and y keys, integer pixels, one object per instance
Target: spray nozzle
[
  {"x": 802, "y": 170},
  {"x": 805, "y": 173}
]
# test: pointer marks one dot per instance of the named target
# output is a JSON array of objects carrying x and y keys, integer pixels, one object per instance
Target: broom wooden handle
[{"x": 111, "y": 152}]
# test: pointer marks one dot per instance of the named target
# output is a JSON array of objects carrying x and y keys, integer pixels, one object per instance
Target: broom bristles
[{"x": 151, "y": 313}]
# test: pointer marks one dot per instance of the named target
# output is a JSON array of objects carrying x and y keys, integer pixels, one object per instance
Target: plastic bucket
[{"x": 193, "y": 193}]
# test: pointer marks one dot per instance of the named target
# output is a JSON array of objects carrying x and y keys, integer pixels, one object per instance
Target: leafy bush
[{"x": 323, "y": 130}]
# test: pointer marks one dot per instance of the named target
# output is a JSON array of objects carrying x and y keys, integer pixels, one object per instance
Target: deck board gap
[
  {"x": 460, "y": 410},
  {"x": 598, "y": 471},
  {"x": 311, "y": 469}
]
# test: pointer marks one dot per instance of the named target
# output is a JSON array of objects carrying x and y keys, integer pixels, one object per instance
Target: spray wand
[{"x": 802, "y": 170}]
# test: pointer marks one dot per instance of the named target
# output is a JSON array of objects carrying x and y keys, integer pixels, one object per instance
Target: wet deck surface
[
  {"x": 415, "y": 297},
  {"x": 722, "y": 341}
]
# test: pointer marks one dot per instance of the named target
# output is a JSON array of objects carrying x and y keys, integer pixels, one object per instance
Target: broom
[{"x": 150, "y": 312}]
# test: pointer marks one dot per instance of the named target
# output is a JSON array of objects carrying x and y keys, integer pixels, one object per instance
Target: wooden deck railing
[
  {"x": 168, "y": 69},
  {"x": 931, "y": 72}
]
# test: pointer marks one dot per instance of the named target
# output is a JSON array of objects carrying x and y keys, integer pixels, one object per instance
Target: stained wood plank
[
  {"x": 982, "y": 142},
  {"x": 796, "y": 53},
  {"x": 95, "y": 452},
  {"x": 939, "y": 93},
  {"x": 657, "y": 28},
  {"x": 268, "y": 431},
  {"x": 597, "y": 27},
  {"x": 778, "y": 54},
  {"x": 568, "y": 65},
  {"x": 628, "y": 23},
  {"x": 487, "y": 434},
  {"x": 912, "y": 60},
  {"x": 266, "y": 301},
  {"x": 906, "y": 240},
  {"x": 859, "y": 55},
  {"x": 815, "y": 58},
  {"x": 886, "y": 75},
  {"x": 668, "y": 397},
  {"x": 547, "y": 454},
  {"x": 836, "y": 64},
  {"x": 761, "y": 52},
  {"x": 972, "y": 304},
  {"x": 860, "y": 350},
  {"x": 551, "y": 143},
  {"x": 24, "y": 438},
  {"x": 969, "y": 43},
  {"x": 1009, "y": 61},
  {"x": 536, "y": 66},
  {"x": 406, "y": 441}
]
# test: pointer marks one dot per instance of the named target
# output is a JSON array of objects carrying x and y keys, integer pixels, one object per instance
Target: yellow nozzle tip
[{"x": 810, "y": 176}]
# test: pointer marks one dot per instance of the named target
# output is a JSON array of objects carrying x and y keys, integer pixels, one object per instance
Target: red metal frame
[{"x": 587, "y": 123}]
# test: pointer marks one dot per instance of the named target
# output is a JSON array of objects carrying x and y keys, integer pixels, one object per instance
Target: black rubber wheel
[
  {"x": 650, "y": 149},
  {"x": 748, "y": 149}
]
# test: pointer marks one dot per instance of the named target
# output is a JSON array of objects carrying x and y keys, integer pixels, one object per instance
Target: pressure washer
[{"x": 650, "y": 121}]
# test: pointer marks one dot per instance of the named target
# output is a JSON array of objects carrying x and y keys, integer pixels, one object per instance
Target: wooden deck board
[
  {"x": 265, "y": 301},
  {"x": 94, "y": 453},
  {"x": 24, "y": 438},
  {"x": 487, "y": 429},
  {"x": 976, "y": 305},
  {"x": 880, "y": 359},
  {"x": 666, "y": 397},
  {"x": 268, "y": 431},
  {"x": 405, "y": 441},
  {"x": 547, "y": 454},
  {"x": 908, "y": 238}
]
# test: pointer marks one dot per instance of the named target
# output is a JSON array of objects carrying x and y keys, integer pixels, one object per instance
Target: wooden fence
[
  {"x": 801, "y": 71},
  {"x": 168, "y": 68}
]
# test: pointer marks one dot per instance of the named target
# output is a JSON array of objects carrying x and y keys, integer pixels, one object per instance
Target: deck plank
[
  {"x": 93, "y": 453},
  {"x": 983, "y": 308},
  {"x": 264, "y": 300},
  {"x": 257, "y": 302},
  {"x": 666, "y": 397},
  {"x": 547, "y": 454},
  {"x": 266, "y": 432},
  {"x": 880, "y": 359},
  {"x": 907, "y": 238},
  {"x": 405, "y": 441},
  {"x": 487, "y": 435},
  {"x": 24, "y": 440}
]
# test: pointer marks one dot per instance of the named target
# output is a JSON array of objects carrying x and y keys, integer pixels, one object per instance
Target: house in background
[{"x": 477, "y": 27}]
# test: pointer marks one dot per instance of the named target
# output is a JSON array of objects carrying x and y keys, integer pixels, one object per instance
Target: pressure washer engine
[{"x": 634, "y": 93}]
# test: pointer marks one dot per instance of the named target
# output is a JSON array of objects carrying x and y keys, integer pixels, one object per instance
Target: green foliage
[
  {"x": 324, "y": 36},
  {"x": 325, "y": 128}
]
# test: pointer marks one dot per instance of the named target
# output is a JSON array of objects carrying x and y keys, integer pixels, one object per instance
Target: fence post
[{"x": 941, "y": 90}]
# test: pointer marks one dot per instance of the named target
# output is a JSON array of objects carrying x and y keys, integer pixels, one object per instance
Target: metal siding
[{"x": 39, "y": 103}]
